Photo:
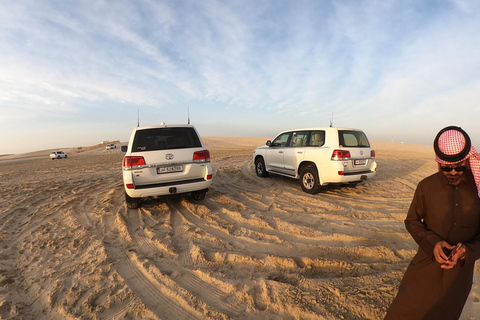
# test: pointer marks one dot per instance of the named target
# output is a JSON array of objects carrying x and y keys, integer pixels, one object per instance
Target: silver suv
[
  {"x": 318, "y": 156},
  {"x": 163, "y": 160}
]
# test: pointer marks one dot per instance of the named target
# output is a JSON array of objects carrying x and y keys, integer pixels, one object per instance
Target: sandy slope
[{"x": 255, "y": 248}]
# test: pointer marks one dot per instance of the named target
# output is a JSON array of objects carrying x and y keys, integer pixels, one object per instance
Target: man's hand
[{"x": 443, "y": 259}]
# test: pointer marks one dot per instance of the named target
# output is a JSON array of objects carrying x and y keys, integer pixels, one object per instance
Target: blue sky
[{"x": 74, "y": 73}]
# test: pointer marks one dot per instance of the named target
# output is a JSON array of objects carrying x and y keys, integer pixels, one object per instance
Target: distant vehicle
[
  {"x": 57, "y": 155},
  {"x": 111, "y": 146},
  {"x": 163, "y": 160},
  {"x": 317, "y": 157}
]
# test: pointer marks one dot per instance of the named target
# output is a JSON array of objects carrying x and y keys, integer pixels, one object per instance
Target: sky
[{"x": 75, "y": 73}]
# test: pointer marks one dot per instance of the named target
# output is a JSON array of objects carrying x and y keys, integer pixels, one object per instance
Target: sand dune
[{"x": 255, "y": 248}]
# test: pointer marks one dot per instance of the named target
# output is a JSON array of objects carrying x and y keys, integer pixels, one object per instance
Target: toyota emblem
[{"x": 169, "y": 156}]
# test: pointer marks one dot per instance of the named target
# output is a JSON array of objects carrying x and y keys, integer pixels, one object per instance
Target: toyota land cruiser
[
  {"x": 317, "y": 157},
  {"x": 163, "y": 160}
]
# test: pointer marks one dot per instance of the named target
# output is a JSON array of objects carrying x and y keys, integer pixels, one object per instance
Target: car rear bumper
[
  {"x": 351, "y": 177},
  {"x": 168, "y": 188}
]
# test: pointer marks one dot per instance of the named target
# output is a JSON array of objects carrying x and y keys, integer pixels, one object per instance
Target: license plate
[
  {"x": 169, "y": 169},
  {"x": 360, "y": 162}
]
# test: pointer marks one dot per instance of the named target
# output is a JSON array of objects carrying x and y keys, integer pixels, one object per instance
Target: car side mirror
[
  {"x": 124, "y": 148},
  {"x": 269, "y": 143}
]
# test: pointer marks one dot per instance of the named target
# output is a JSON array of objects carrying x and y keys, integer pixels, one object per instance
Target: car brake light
[
  {"x": 209, "y": 176},
  {"x": 203, "y": 155},
  {"x": 129, "y": 162},
  {"x": 129, "y": 186},
  {"x": 340, "y": 155},
  {"x": 340, "y": 173},
  {"x": 372, "y": 153}
]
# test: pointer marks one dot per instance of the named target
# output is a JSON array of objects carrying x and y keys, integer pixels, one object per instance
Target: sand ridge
[{"x": 255, "y": 248}]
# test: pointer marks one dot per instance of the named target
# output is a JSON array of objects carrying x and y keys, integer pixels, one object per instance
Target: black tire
[
  {"x": 132, "y": 203},
  {"x": 309, "y": 180},
  {"x": 260, "y": 167},
  {"x": 199, "y": 195},
  {"x": 65, "y": 156}
]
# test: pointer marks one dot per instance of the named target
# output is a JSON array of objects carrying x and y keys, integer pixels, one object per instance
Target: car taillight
[
  {"x": 203, "y": 155},
  {"x": 372, "y": 153},
  {"x": 340, "y": 155},
  {"x": 129, "y": 162},
  {"x": 209, "y": 176}
]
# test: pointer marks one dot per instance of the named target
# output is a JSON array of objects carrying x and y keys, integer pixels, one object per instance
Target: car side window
[
  {"x": 317, "y": 138},
  {"x": 281, "y": 140},
  {"x": 298, "y": 139}
]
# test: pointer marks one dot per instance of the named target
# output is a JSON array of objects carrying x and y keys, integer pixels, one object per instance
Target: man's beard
[{"x": 453, "y": 178}]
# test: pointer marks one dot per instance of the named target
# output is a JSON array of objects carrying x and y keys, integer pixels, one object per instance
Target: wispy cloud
[{"x": 374, "y": 65}]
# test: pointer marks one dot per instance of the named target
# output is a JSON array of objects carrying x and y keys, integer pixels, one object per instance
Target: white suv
[
  {"x": 163, "y": 160},
  {"x": 318, "y": 156}
]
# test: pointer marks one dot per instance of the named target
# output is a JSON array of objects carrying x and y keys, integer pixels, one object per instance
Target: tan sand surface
[{"x": 255, "y": 248}]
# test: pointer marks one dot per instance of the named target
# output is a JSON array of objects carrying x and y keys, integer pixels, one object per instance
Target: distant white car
[
  {"x": 317, "y": 157},
  {"x": 57, "y": 155},
  {"x": 111, "y": 146},
  {"x": 163, "y": 160}
]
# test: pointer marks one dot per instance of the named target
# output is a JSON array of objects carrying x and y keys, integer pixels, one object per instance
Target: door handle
[{"x": 280, "y": 151}]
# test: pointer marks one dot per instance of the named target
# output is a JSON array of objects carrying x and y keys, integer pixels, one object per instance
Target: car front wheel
[
  {"x": 309, "y": 179},
  {"x": 260, "y": 167}
]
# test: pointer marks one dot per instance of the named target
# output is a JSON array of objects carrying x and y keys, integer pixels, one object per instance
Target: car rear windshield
[
  {"x": 350, "y": 138},
  {"x": 165, "y": 138}
]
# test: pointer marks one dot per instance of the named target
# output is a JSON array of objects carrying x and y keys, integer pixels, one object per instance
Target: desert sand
[{"x": 255, "y": 248}]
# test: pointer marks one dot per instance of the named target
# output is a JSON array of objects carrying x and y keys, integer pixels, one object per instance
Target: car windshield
[
  {"x": 165, "y": 138},
  {"x": 350, "y": 138}
]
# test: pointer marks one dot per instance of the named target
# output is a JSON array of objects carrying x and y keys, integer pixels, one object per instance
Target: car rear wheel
[
  {"x": 260, "y": 167},
  {"x": 132, "y": 203},
  {"x": 199, "y": 195},
  {"x": 353, "y": 184},
  {"x": 309, "y": 179}
]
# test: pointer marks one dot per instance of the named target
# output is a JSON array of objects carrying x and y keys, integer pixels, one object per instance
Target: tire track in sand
[{"x": 130, "y": 267}]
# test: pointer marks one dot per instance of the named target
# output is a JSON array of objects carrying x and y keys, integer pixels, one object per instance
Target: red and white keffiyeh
[{"x": 452, "y": 145}]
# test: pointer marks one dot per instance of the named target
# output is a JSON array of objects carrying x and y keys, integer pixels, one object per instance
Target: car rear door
[
  {"x": 169, "y": 166},
  {"x": 169, "y": 156},
  {"x": 357, "y": 144}
]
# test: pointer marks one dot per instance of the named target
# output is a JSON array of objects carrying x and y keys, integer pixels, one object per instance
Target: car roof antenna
[
  {"x": 188, "y": 113},
  {"x": 331, "y": 121},
  {"x": 138, "y": 117}
]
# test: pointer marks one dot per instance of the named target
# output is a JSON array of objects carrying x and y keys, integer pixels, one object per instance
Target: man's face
[{"x": 454, "y": 172}]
